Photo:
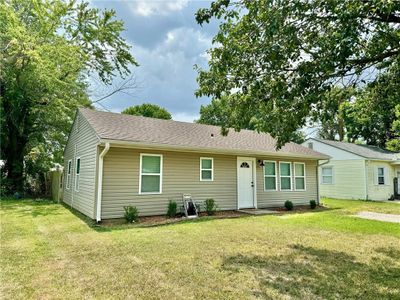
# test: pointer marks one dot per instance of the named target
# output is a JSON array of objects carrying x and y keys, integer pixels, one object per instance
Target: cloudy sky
[{"x": 167, "y": 42}]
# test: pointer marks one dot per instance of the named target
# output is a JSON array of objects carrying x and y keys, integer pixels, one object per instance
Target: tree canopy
[
  {"x": 279, "y": 58},
  {"x": 148, "y": 110},
  {"x": 373, "y": 112},
  {"x": 48, "y": 50},
  {"x": 219, "y": 111}
]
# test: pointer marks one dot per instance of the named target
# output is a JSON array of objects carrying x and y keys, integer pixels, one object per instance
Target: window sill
[{"x": 151, "y": 193}]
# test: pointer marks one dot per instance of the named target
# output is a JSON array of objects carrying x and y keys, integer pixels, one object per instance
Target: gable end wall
[{"x": 81, "y": 143}]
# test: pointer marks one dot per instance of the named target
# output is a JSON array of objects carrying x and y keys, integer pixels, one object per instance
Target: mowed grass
[{"x": 51, "y": 252}]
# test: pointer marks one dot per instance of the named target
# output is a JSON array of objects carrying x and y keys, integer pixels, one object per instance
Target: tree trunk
[
  {"x": 340, "y": 128},
  {"x": 14, "y": 160},
  {"x": 14, "y": 139}
]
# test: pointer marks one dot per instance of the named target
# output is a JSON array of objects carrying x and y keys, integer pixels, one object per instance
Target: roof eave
[{"x": 134, "y": 144}]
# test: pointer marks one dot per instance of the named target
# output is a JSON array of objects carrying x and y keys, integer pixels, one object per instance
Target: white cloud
[
  {"x": 157, "y": 7},
  {"x": 166, "y": 76},
  {"x": 185, "y": 117}
]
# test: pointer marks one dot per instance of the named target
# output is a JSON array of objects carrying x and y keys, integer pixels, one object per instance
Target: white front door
[{"x": 245, "y": 183}]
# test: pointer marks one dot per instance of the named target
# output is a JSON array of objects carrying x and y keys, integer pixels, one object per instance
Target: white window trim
[
  {"x": 384, "y": 175},
  {"x": 276, "y": 175},
  {"x": 285, "y": 176},
  {"x": 158, "y": 174},
  {"x": 77, "y": 176},
  {"x": 303, "y": 176},
  {"x": 332, "y": 175},
  {"x": 69, "y": 170},
  {"x": 212, "y": 169}
]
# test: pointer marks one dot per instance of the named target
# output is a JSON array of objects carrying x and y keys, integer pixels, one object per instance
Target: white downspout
[{"x": 100, "y": 181}]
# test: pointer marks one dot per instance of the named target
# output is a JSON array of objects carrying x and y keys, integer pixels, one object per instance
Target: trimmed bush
[
  {"x": 172, "y": 206},
  {"x": 131, "y": 214},
  {"x": 313, "y": 204},
  {"x": 288, "y": 205},
  {"x": 210, "y": 206}
]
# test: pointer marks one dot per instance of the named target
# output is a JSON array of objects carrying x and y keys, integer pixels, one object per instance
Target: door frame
[{"x": 254, "y": 166}]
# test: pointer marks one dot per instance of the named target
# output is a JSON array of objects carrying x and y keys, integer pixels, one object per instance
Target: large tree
[
  {"x": 48, "y": 50},
  {"x": 281, "y": 57},
  {"x": 220, "y": 110},
  {"x": 148, "y": 110},
  {"x": 372, "y": 115},
  {"x": 328, "y": 114}
]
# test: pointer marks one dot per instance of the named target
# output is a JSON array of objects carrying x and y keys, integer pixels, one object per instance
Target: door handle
[{"x": 252, "y": 184}]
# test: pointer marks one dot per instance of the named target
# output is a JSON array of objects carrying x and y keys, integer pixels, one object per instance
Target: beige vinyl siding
[
  {"x": 375, "y": 191},
  {"x": 278, "y": 198},
  {"x": 181, "y": 175},
  {"x": 348, "y": 180},
  {"x": 81, "y": 143}
]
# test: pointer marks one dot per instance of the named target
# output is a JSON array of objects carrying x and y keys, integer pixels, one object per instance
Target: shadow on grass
[{"x": 318, "y": 273}]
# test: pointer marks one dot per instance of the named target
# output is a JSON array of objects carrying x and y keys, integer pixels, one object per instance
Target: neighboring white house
[{"x": 357, "y": 171}]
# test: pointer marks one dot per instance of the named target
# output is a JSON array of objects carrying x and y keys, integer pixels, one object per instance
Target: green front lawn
[{"x": 47, "y": 251}]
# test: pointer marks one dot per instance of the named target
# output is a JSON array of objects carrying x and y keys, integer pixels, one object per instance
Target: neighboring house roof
[
  {"x": 366, "y": 151},
  {"x": 169, "y": 134}
]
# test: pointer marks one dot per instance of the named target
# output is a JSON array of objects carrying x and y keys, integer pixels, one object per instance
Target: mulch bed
[
  {"x": 225, "y": 214},
  {"x": 162, "y": 220},
  {"x": 301, "y": 208}
]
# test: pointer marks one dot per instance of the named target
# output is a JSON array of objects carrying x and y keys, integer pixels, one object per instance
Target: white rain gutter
[{"x": 100, "y": 181}]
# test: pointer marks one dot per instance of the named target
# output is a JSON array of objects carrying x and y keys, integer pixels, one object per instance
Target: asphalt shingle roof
[
  {"x": 137, "y": 129},
  {"x": 367, "y": 151}
]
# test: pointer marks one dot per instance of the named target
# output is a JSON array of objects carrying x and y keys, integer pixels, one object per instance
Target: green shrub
[
  {"x": 131, "y": 214},
  {"x": 313, "y": 204},
  {"x": 172, "y": 206},
  {"x": 288, "y": 205},
  {"x": 210, "y": 206}
]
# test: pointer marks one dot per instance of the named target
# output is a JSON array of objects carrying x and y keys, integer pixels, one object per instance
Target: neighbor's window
[
  {"x": 77, "y": 173},
  {"x": 327, "y": 175},
  {"x": 381, "y": 176},
  {"x": 69, "y": 174},
  {"x": 299, "y": 176},
  {"x": 285, "y": 173},
  {"x": 150, "y": 173},
  {"x": 310, "y": 145},
  {"x": 206, "y": 169},
  {"x": 269, "y": 175}
]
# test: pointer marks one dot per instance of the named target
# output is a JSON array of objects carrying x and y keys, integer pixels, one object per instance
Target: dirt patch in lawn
[{"x": 162, "y": 220}]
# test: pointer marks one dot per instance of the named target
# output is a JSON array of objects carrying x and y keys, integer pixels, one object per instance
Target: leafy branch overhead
[
  {"x": 278, "y": 58},
  {"x": 49, "y": 49}
]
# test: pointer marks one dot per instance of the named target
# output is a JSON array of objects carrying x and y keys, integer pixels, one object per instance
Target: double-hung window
[
  {"x": 206, "y": 169},
  {"x": 381, "y": 176},
  {"x": 69, "y": 167},
  {"x": 77, "y": 173},
  {"x": 150, "y": 181},
  {"x": 299, "y": 177},
  {"x": 285, "y": 174},
  {"x": 327, "y": 175},
  {"x": 270, "y": 176}
]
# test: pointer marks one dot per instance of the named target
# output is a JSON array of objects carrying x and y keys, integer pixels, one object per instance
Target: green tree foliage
[
  {"x": 329, "y": 114},
  {"x": 280, "y": 57},
  {"x": 394, "y": 144},
  {"x": 220, "y": 110},
  {"x": 48, "y": 50},
  {"x": 148, "y": 110},
  {"x": 372, "y": 116}
]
